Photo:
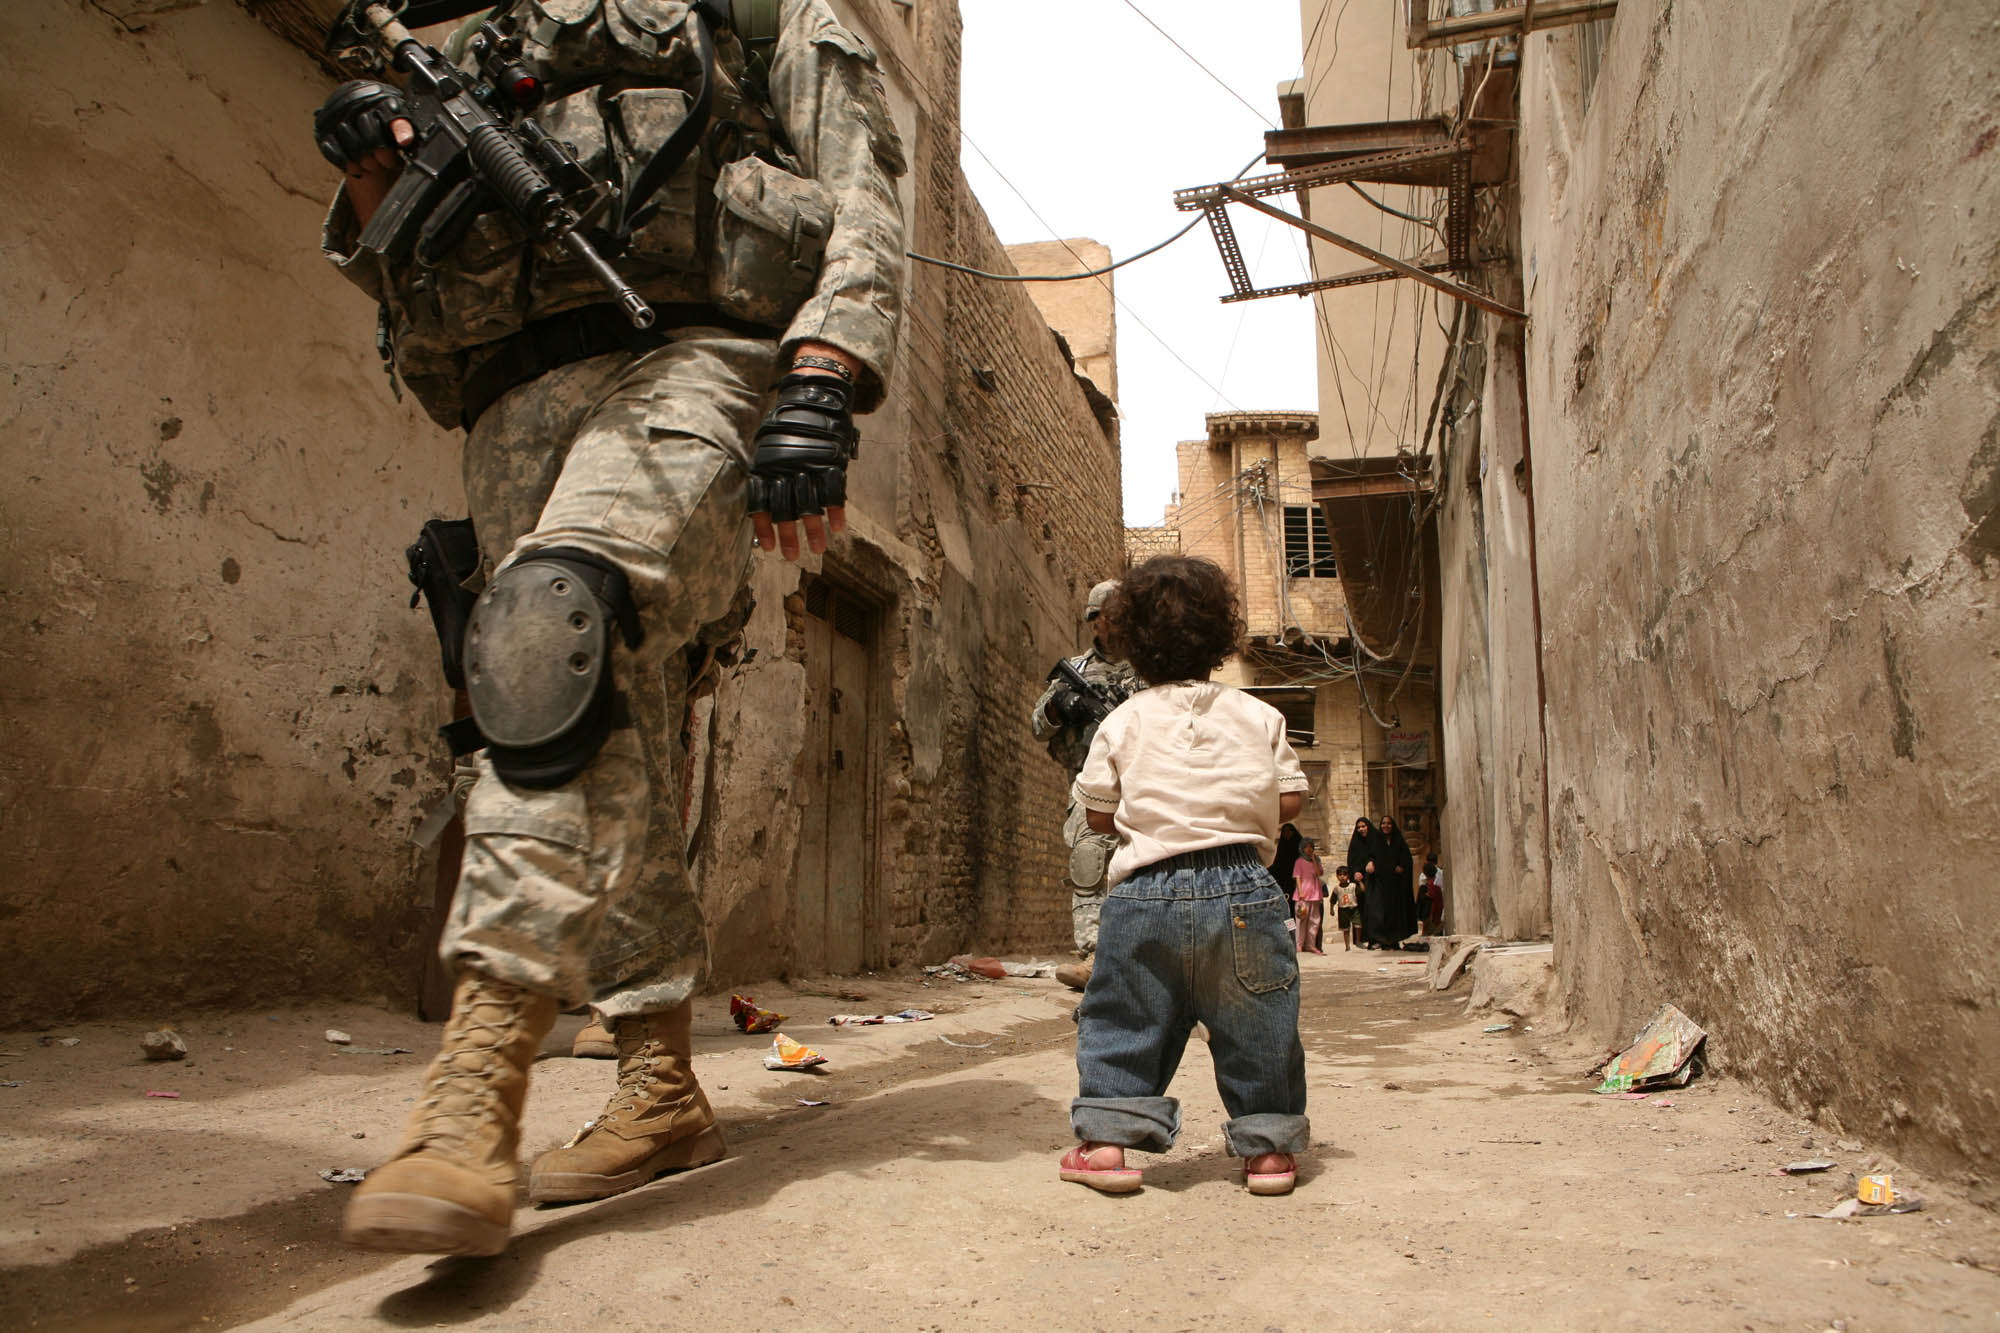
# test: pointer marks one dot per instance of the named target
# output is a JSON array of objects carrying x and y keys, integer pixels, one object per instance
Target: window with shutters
[{"x": 1308, "y": 544}]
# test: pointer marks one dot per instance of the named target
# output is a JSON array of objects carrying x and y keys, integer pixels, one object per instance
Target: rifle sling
[{"x": 667, "y": 158}]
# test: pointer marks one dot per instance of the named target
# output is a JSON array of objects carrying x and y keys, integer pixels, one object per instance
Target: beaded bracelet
[{"x": 823, "y": 363}]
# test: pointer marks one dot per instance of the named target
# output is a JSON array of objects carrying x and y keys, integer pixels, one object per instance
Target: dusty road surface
[{"x": 1461, "y": 1179}]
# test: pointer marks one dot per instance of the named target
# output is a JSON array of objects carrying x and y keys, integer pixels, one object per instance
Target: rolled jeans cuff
[
  {"x": 1148, "y": 1123},
  {"x": 1269, "y": 1131}
]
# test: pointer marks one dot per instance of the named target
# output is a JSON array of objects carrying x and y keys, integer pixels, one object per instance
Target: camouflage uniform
[
  {"x": 787, "y": 224},
  {"x": 1069, "y": 745}
]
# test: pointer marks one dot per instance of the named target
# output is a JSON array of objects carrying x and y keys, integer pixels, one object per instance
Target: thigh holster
[{"x": 538, "y": 663}]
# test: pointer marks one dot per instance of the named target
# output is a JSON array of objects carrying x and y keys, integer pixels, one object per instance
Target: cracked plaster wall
[
  {"x": 1764, "y": 380},
  {"x": 218, "y": 706}
]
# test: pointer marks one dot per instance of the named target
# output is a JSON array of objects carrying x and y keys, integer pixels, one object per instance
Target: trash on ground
[
  {"x": 165, "y": 1044},
  {"x": 373, "y": 1050},
  {"x": 968, "y": 1045},
  {"x": 873, "y": 1020},
  {"x": 346, "y": 1175},
  {"x": 950, "y": 972},
  {"x": 1852, "y": 1208},
  {"x": 750, "y": 1018},
  {"x": 337, "y": 1037},
  {"x": 1662, "y": 1055},
  {"x": 1498, "y": 1027},
  {"x": 990, "y": 968},
  {"x": 47, "y": 1040},
  {"x": 1810, "y": 1166},
  {"x": 1029, "y": 969},
  {"x": 1876, "y": 1189},
  {"x": 807, "y": 1101},
  {"x": 12, "y": 1083},
  {"x": 788, "y": 1054},
  {"x": 1662, "y": 1103},
  {"x": 155, "y": 1092}
]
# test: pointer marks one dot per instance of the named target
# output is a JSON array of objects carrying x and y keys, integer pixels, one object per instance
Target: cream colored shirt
[{"x": 1185, "y": 766}]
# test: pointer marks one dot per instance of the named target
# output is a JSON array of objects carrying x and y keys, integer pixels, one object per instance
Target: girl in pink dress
[{"x": 1309, "y": 896}]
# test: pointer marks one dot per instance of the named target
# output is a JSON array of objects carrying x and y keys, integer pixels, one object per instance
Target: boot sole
[
  {"x": 580, "y": 1187},
  {"x": 419, "y": 1224},
  {"x": 593, "y": 1050}
]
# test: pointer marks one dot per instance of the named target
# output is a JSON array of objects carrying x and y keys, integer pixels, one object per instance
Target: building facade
[{"x": 1363, "y": 728}]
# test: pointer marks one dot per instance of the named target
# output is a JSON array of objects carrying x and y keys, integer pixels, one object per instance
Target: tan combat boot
[
  {"x": 450, "y": 1188},
  {"x": 594, "y": 1041},
  {"x": 658, "y": 1119}
]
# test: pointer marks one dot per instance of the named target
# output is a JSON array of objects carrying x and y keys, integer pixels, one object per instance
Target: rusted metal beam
[
  {"x": 1445, "y": 285},
  {"x": 1312, "y": 144},
  {"x": 1535, "y": 16},
  {"x": 1361, "y": 488}
]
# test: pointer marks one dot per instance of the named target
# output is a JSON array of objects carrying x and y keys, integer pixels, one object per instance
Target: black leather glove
[
  {"x": 1066, "y": 706},
  {"x": 354, "y": 121},
  {"x": 800, "y": 466}
]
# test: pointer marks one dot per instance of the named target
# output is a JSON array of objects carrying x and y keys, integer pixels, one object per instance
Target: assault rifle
[
  {"x": 1097, "y": 700},
  {"x": 475, "y": 145}
]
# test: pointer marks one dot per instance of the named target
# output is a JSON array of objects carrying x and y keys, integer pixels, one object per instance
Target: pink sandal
[
  {"x": 1271, "y": 1182},
  {"x": 1081, "y": 1166}
]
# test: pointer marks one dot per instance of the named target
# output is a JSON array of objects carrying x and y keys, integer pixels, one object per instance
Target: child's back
[{"x": 1194, "y": 777}]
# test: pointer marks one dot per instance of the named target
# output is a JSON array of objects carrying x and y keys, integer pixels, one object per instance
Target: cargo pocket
[
  {"x": 1261, "y": 936},
  {"x": 668, "y": 240},
  {"x": 863, "y": 81},
  {"x": 479, "y": 290},
  {"x": 770, "y": 236}
]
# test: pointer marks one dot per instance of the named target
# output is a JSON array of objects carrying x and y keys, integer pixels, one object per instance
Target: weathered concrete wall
[
  {"x": 218, "y": 707},
  {"x": 219, "y": 731},
  {"x": 1764, "y": 380},
  {"x": 1085, "y": 312}
]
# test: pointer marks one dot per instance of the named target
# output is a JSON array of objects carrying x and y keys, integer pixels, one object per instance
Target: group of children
[{"x": 1194, "y": 779}]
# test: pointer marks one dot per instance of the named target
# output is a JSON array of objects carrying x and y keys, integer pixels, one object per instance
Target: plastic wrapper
[
  {"x": 750, "y": 1018},
  {"x": 789, "y": 1054}
]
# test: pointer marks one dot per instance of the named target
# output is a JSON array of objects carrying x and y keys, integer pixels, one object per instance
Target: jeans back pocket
[{"x": 1261, "y": 939}]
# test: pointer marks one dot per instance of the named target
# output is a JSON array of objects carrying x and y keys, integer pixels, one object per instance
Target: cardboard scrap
[{"x": 1662, "y": 1055}]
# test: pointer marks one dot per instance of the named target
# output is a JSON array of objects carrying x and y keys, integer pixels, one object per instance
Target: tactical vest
[{"x": 737, "y": 227}]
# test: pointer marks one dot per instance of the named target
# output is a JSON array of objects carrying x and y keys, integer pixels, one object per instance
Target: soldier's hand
[
  {"x": 1066, "y": 706},
  {"x": 798, "y": 473},
  {"x": 361, "y": 125}
]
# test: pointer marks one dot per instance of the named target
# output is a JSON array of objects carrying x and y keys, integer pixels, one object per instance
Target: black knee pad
[{"x": 538, "y": 663}]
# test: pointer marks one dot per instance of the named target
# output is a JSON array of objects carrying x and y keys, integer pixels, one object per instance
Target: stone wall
[
  {"x": 219, "y": 731},
  {"x": 1763, "y": 374}
]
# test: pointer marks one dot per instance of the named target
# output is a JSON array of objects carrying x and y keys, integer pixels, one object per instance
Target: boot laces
[
  {"x": 636, "y": 1075},
  {"x": 465, "y": 1081}
]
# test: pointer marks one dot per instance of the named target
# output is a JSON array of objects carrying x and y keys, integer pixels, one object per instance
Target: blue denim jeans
[{"x": 1201, "y": 937}]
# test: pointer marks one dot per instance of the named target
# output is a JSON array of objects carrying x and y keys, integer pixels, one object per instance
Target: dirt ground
[{"x": 1459, "y": 1179}]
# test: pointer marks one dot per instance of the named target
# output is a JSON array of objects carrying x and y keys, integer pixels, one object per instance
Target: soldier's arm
[{"x": 827, "y": 91}]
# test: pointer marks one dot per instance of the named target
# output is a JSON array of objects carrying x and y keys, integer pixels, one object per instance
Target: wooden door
[{"x": 836, "y": 843}]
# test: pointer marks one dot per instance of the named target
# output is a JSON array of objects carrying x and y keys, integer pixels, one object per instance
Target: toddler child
[
  {"x": 1350, "y": 905},
  {"x": 1308, "y": 895},
  {"x": 1194, "y": 778}
]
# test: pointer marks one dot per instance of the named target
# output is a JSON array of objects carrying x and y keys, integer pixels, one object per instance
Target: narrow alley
[{"x": 1460, "y": 1178}]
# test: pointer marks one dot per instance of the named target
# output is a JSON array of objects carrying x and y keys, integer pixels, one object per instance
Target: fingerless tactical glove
[
  {"x": 354, "y": 121},
  {"x": 800, "y": 466}
]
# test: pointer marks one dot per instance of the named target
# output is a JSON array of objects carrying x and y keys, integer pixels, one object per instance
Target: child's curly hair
[{"x": 1173, "y": 618}]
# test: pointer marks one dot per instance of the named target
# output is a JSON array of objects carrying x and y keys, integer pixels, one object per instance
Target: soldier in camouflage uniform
[
  {"x": 615, "y": 470},
  {"x": 1062, "y": 720}
]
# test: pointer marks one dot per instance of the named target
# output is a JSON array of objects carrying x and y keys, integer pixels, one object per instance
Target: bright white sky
[{"x": 1096, "y": 120}]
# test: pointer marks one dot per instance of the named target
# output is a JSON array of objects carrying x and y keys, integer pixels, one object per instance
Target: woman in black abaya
[
  {"x": 1400, "y": 879},
  {"x": 1367, "y": 858}
]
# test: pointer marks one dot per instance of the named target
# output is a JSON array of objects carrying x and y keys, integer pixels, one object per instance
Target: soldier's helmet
[{"x": 1099, "y": 595}]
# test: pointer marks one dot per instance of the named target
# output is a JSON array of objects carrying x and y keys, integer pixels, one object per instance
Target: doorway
[{"x": 832, "y": 894}]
